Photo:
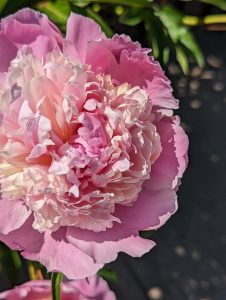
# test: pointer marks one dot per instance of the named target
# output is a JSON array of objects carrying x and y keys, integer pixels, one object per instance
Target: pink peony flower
[
  {"x": 90, "y": 151},
  {"x": 93, "y": 288}
]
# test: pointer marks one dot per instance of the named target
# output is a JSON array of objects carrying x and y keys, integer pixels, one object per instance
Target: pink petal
[
  {"x": 28, "y": 27},
  {"x": 115, "y": 233},
  {"x": 2, "y": 75},
  {"x": 24, "y": 238},
  {"x": 80, "y": 31},
  {"x": 117, "y": 56},
  {"x": 172, "y": 161},
  {"x": 181, "y": 147},
  {"x": 90, "y": 288},
  {"x": 42, "y": 45},
  {"x": 13, "y": 215},
  {"x": 134, "y": 246},
  {"x": 58, "y": 254},
  {"x": 94, "y": 288},
  {"x": 165, "y": 169},
  {"x": 7, "y": 52},
  {"x": 151, "y": 210}
]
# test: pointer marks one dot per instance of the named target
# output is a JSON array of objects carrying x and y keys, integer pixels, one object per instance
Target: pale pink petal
[
  {"x": 37, "y": 151},
  {"x": 25, "y": 113},
  {"x": 41, "y": 88}
]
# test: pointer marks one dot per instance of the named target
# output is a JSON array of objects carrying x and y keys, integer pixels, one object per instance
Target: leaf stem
[{"x": 56, "y": 279}]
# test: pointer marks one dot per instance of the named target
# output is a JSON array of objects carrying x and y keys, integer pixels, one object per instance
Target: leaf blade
[
  {"x": 218, "y": 3},
  {"x": 96, "y": 17},
  {"x": 2, "y": 4}
]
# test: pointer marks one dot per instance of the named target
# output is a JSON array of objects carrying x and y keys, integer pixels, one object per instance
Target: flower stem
[{"x": 56, "y": 279}]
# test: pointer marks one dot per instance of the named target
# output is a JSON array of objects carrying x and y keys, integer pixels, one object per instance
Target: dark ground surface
[{"x": 189, "y": 261}]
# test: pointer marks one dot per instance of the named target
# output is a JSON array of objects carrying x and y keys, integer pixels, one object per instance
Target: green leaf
[
  {"x": 133, "y": 3},
  {"x": 80, "y": 3},
  {"x": 191, "y": 44},
  {"x": 10, "y": 262},
  {"x": 16, "y": 259},
  {"x": 182, "y": 59},
  {"x": 108, "y": 275},
  {"x": 166, "y": 55},
  {"x": 11, "y": 6},
  {"x": 56, "y": 281},
  {"x": 156, "y": 36},
  {"x": 181, "y": 36},
  {"x": 172, "y": 21},
  {"x": 131, "y": 17},
  {"x": 146, "y": 234},
  {"x": 58, "y": 11},
  {"x": 153, "y": 40},
  {"x": 2, "y": 4},
  {"x": 218, "y": 3},
  {"x": 96, "y": 17}
]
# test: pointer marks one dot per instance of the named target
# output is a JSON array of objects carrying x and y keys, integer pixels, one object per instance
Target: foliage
[
  {"x": 11, "y": 265},
  {"x": 109, "y": 275}
]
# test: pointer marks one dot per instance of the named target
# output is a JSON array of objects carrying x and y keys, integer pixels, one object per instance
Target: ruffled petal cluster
[{"x": 90, "y": 151}]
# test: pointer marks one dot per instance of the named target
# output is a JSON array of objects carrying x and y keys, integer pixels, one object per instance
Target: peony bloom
[
  {"x": 93, "y": 288},
  {"x": 90, "y": 151}
]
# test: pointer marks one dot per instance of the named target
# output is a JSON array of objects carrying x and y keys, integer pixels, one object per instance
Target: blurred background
[{"x": 189, "y": 39}]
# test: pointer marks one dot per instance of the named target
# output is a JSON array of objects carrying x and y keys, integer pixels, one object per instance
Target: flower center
[{"x": 73, "y": 144}]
